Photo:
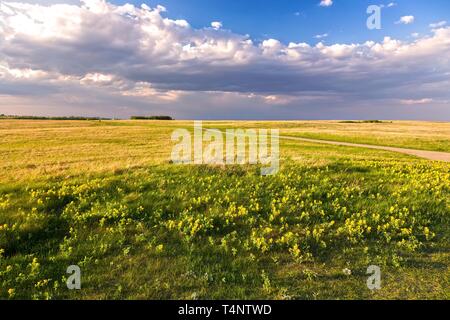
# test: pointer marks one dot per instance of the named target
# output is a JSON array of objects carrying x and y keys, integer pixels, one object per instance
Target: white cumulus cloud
[
  {"x": 320, "y": 36},
  {"x": 439, "y": 24},
  {"x": 406, "y": 20},
  {"x": 216, "y": 25},
  {"x": 326, "y": 3}
]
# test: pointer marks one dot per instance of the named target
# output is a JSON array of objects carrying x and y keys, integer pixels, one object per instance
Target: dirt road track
[{"x": 430, "y": 155}]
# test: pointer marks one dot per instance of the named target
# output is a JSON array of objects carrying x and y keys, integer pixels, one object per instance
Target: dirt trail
[{"x": 430, "y": 155}]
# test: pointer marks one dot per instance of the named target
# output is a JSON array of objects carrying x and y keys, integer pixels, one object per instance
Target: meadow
[{"x": 103, "y": 195}]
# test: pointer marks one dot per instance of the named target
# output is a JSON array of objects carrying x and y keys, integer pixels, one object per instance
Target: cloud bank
[{"x": 97, "y": 58}]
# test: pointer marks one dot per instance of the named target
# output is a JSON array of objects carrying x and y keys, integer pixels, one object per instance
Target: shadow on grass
[{"x": 42, "y": 240}]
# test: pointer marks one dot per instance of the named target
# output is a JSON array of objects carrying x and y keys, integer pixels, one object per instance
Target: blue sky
[
  {"x": 263, "y": 59},
  {"x": 301, "y": 20}
]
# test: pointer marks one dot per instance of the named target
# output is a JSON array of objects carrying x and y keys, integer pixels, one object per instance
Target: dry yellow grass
[
  {"x": 35, "y": 149},
  {"x": 434, "y": 136}
]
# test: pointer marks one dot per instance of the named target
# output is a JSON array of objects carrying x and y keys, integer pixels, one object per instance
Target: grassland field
[{"x": 103, "y": 195}]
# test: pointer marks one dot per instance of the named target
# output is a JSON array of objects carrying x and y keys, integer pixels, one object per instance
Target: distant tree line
[
  {"x": 151, "y": 118},
  {"x": 3, "y": 116},
  {"x": 365, "y": 121}
]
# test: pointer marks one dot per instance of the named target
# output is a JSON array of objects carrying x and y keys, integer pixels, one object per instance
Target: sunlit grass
[{"x": 103, "y": 195}]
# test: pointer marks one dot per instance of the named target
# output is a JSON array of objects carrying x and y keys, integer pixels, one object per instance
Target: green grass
[
  {"x": 433, "y": 136},
  {"x": 103, "y": 195}
]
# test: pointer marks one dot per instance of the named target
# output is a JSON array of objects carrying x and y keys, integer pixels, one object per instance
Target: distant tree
[
  {"x": 364, "y": 121},
  {"x": 151, "y": 118}
]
